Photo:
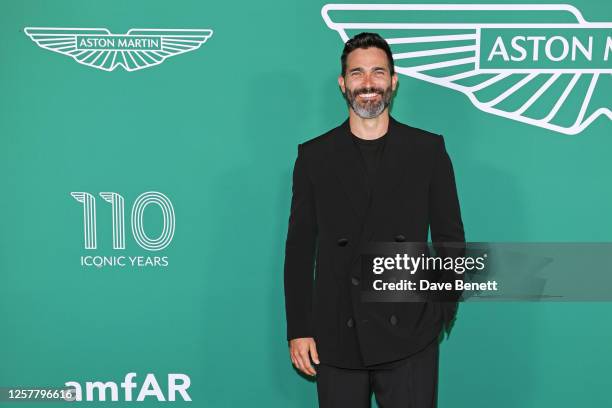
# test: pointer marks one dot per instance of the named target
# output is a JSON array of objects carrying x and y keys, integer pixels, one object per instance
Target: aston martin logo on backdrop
[
  {"x": 543, "y": 64},
  {"x": 137, "y": 49}
]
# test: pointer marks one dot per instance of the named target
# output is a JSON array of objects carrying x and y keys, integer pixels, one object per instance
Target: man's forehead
[{"x": 367, "y": 58}]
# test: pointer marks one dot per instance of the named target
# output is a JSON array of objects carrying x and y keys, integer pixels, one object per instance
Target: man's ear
[
  {"x": 394, "y": 81},
  {"x": 341, "y": 83}
]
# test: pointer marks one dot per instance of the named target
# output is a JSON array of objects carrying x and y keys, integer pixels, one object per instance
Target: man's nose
[{"x": 368, "y": 80}]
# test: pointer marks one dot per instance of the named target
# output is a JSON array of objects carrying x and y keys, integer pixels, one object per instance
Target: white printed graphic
[
  {"x": 118, "y": 206},
  {"x": 558, "y": 99},
  {"x": 135, "y": 50},
  {"x": 89, "y": 217},
  {"x": 118, "y": 219},
  {"x": 143, "y": 200}
]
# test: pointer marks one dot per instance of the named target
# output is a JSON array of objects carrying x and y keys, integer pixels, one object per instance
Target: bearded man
[{"x": 370, "y": 179}]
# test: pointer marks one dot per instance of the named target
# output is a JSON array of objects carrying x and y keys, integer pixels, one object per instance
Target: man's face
[{"x": 367, "y": 85}]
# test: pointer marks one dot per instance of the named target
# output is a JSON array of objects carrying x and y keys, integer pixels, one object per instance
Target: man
[{"x": 370, "y": 179}]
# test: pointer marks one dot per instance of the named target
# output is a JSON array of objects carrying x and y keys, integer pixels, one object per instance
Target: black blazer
[{"x": 332, "y": 215}]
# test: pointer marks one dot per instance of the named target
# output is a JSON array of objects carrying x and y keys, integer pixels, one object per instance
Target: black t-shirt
[{"x": 371, "y": 151}]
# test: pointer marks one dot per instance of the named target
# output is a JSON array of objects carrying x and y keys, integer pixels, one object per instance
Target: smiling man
[{"x": 370, "y": 179}]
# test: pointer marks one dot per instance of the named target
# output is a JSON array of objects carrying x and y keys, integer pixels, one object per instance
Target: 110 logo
[{"x": 118, "y": 219}]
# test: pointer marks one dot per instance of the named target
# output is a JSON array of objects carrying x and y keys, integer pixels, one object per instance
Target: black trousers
[{"x": 413, "y": 384}]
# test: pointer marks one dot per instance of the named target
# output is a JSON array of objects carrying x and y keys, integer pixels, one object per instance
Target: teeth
[{"x": 370, "y": 95}]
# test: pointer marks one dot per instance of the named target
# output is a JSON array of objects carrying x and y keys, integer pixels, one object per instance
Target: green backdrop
[{"x": 216, "y": 130}]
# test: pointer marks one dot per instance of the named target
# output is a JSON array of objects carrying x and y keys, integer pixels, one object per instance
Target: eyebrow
[{"x": 373, "y": 69}]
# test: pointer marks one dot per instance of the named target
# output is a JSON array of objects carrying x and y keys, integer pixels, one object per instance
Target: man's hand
[{"x": 301, "y": 350}]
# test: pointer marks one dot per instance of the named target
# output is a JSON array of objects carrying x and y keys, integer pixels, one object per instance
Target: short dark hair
[{"x": 366, "y": 40}]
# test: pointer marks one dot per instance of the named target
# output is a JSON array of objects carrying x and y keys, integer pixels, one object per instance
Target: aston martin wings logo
[
  {"x": 543, "y": 65},
  {"x": 135, "y": 50}
]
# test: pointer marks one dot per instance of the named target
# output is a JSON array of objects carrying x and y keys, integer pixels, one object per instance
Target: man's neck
[{"x": 369, "y": 129}]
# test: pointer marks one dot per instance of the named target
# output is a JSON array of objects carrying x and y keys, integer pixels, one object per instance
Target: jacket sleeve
[
  {"x": 446, "y": 225},
  {"x": 445, "y": 215},
  {"x": 300, "y": 253}
]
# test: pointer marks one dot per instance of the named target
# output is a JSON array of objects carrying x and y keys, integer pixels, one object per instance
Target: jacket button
[
  {"x": 393, "y": 320},
  {"x": 400, "y": 238},
  {"x": 355, "y": 281},
  {"x": 342, "y": 242},
  {"x": 350, "y": 322}
]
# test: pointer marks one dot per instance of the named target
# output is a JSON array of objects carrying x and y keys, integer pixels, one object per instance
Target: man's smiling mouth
[{"x": 368, "y": 95}]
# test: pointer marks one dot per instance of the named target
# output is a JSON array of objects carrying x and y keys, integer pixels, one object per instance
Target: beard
[{"x": 370, "y": 108}]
